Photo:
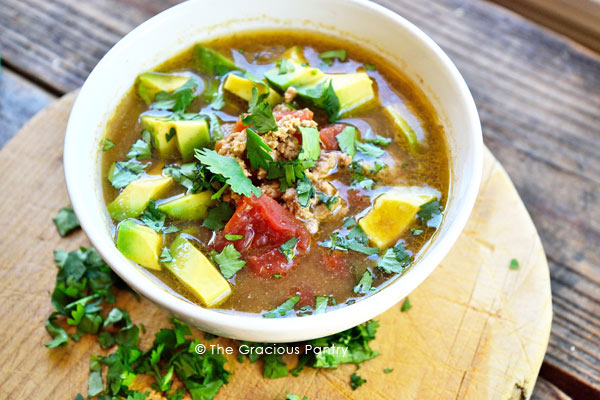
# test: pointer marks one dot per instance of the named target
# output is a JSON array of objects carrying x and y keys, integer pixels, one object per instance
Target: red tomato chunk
[
  {"x": 265, "y": 225},
  {"x": 328, "y": 135}
]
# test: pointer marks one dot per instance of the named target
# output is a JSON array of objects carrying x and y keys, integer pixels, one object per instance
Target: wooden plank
[
  {"x": 477, "y": 329},
  {"x": 538, "y": 96},
  {"x": 19, "y": 101},
  {"x": 545, "y": 390}
]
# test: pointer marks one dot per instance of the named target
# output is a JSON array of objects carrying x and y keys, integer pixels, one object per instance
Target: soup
[{"x": 274, "y": 173}]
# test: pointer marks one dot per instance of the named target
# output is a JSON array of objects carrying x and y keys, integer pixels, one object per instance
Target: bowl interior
[{"x": 174, "y": 30}]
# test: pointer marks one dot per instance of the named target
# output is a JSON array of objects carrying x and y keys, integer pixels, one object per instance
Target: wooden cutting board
[{"x": 477, "y": 329}]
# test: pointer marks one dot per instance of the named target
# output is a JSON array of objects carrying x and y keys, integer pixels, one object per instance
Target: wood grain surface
[
  {"x": 477, "y": 329},
  {"x": 538, "y": 96}
]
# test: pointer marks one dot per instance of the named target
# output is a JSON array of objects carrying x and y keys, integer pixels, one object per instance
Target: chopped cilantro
[
  {"x": 291, "y": 396},
  {"x": 406, "y": 305},
  {"x": 347, "y": 139},
  {"x": 311, "y": 145},
  {"x": 321, "y": 303},
  {"x": 329, "y": 201},
  {"x": 216, "y": 132},
  {"x": 142, "y": 148},
  {"x": 165, "y": 255},
  {"x": 229, "y": 261},
  {"x": 431, "y": 214},
  {"x": 329, "y": 56},
  {"x": 107, "y": 144},
  {"x": 404, "y": 165},
  {"x": 355, "y": 240},
  {"x": 193, "y": 176},
  {"x": 218, "y": 216},
  {"x": 305, "y": 190},
  {"x": 59, "y": 336},
  {"x": 364, "y": 285},
  {"x": 229, "y": 169},
  {"x": 283, "y": 309},
  {"x": 394, "y": 260},
  {"x": 153, "y": 217},
  {"x": 369, "y": 67},
  {"x": 356, "y": 381},
  {"x": 285, "y": 66},
  {"x": 257, "y": 151},
  {"x": 125, "y": 172},
  {"x": 171, "y": 134},
  {"x": 65, "y": 221},
  {"x": 277, "y": 276},
  {"x": 514, "y": 264},
  {"x": 359, "y": 180},
  {"x": 233, "y": 238},
  {"x": 323, "y": 96},
  {"x": 378, "y": 140},
  {"x": 260, "y": 113},
  {"x": 369, "y": 149},
  {"x": 378, "y": 166},
  {"x": 274, "y": 367},
  {"x": 416, "y": 231},
  {"x": 288, "y": 171},
  {"x": 388, "y": 370},
  {"x": 289, "y": 247},
  {"x": 179, "y": 99}
]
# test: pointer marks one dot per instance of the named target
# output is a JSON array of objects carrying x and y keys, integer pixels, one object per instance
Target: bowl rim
[{"x": 280, "y": 329}]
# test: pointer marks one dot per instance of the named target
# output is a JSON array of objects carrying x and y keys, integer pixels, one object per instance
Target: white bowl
[{"x": 387, "y": 34}]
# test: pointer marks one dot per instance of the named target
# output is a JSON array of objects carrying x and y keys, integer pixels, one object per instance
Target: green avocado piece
[
  {"x": 197, "y": 272},
  {"x": 139, "y": 243},
  {"x": 242, "y": 87},
  {"x": 297, "y": 76},
  {"x": 212, "y": 62},
  {"x": 162, "y": 135},
  {"x": 352, "y": 90},
  {"x": 190, "y": 207},
  {"x": 151, "y": 83},
  {"x": 170, "y": 135},
  {"x": 134, "y": 199}
]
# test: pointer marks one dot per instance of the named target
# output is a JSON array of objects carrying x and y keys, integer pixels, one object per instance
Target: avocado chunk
[
  {"x": 190, "y": 207},
  {"x": 212, "y": 62},
  {"x": 393, "y": 212},
  {"x": 242, "y": 87},
  {"x": 151, "y": 83},
  {"x": 296, "y": 54},
  {"x": 139, "y": 243},
  {"x": 352, "y": 90},
  {"x": 134, "y": 199},
  {"x": 195, "y": 271},
  {"x": 394, "y": 112},
  {"x": 169, "y": 136},
  {"x": 297, "y": 76}
]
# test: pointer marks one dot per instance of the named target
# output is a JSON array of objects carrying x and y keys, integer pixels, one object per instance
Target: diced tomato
[
  {"x": 303, "y": 115},
  {"x": 265, "y": 225},
  {"x": 328, "y": 135},
  {"x": 239, "y": 125},
  {"x": 337, "y": 264}
]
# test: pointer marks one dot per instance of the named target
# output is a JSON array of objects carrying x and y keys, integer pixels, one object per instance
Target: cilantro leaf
[
  {"x": 65, "y": 221},
  {"x": 283, "y": 309},
  {"x": 321, "y": 303},
  {"x": 125, "y": 172},
  {"x": 329, "y": 201},
  {"x": 229, "y": 169},
  {"x": 305, "y": 190},
  {"x": 330, "y": 103},
  {"x": 311, "y": 145},
  {"x": 369, "y": 149},
  {"x": 179, "y": 99},
  {"x": 347, "y": 139},
  {"x": 369, "y": 67},
  {"x": 291, "y": 396},
  {"x": 329, "y": 56},
  {"x": 289, "y": 247},
  {"x": 356, "y": 381},
  {"x": 355, "y": 341},
  {"x": 142, "y": 148},
  {"x": 378, "y": 140},
  {"x": 406, "y": 305},
  {"x": 365, "y": 283},
  {"x": 229, "y": 261},
  {"x": 355, "y": 240},
  {"x": 288, "y": 171},
  {"x": 431, "y": 213},
  {"x": 394, "y": 260},
  {"x": 107, "y": 144},
  {"x": 260, "y": 113},
  {"x": 388, "y": 370},
  {"x": 359, "y": 180},
  {"x": 153, "y": 217},
  {"x": 165, "y": 255},
  {"x": 217, "y": 217},
  {"x": 233, "y": 238},
  {"x": 257, "y": 151},
  {"x": 193, "y": 176},
  {"x": 514, "y": 264},
  {"x": 59, "y": 336},
  {"x": 274, "y": 366},
  {"x": 285, "y": 66}
]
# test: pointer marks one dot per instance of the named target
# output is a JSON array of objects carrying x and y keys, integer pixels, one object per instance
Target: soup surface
[{"x": 274, "y": 173}]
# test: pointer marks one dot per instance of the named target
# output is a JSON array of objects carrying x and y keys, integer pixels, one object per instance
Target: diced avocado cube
[
  {"x": 393, "y": 212},
  {"x": 151, "y": 83},
  {"x": 194, "y": 270},
  {"x": 296, "y": 54},
  {"x": 242, "y": 87},
  {"x": 352, "y": 90},
  {"x": 213, "y": 63},
  {"x": 163, "y": 135},
  {"x": 139, "y": 243},
  {"x": 298, "y": 77},
  {"x": 191, "y": 135},
  {"x": 190, "y": 207},
  {"x": 394, "y": 112},
  {"x": 134, "y": 199}
]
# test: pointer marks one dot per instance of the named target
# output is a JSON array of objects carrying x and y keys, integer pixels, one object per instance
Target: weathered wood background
[{"x": 538, "y": 96}]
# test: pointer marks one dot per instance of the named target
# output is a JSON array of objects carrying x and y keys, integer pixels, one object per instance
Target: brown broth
[{"x": 309, "y": 277}]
